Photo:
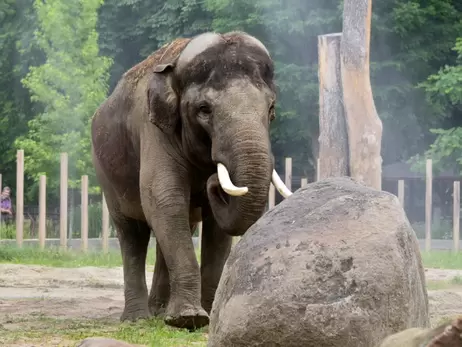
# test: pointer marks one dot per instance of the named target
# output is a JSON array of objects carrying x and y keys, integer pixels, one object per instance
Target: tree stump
[
  {"x": 363, "y": 123},
  {"x": 333, "y": 137}
]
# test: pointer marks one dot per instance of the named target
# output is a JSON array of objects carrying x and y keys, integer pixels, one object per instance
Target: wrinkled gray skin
[{"x": 156, "y": 142}]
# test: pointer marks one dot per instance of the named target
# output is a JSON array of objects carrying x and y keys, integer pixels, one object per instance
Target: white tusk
[
  {"x": 226, "y": 184},
  {"x": 280, "y": 186}
]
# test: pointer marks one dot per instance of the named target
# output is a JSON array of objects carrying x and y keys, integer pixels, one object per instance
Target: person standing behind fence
[{"x": 6, "y": 206}]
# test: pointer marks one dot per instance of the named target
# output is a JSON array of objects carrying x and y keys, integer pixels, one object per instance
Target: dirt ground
[{"x": 27, "y": 292}]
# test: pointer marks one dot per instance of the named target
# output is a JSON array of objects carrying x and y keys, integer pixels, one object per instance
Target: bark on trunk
[
  {"x": 363, "y": 124},
  {"x": 333, "y": 137}
]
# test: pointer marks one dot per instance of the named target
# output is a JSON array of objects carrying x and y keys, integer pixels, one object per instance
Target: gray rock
[{"x": 336, "y": 264}]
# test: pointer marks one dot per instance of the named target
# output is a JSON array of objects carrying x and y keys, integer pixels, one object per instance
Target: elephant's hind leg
[
  {"x": 134, "y": 239},
  {"x": 160, "y": 289}
]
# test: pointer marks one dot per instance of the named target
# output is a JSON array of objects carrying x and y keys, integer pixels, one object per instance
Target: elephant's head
[{"x": 219, "y": 96}]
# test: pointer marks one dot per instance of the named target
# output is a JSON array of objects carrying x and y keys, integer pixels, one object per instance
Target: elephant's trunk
[{"x": 248, "y": 160}]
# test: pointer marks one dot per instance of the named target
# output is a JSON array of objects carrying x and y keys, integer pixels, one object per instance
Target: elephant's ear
[{"x": 163, "y": 101}]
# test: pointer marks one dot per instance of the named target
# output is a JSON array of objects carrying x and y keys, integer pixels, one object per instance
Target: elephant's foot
[
  {"x": 207, "y": 305},
  {"x": 157, "y": 308},
  {"x": 133, "y": 314},
  {"x": 186, "y": 316}
]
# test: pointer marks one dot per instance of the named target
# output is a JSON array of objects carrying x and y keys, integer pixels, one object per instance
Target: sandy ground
[{"x": 89, "y": 292}]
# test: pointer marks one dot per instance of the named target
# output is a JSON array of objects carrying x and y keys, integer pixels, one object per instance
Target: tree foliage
[
  {"x": 444, "y": 92},
  {"x": 17, "y": 19},
  {"x": 70, "y": 85}
]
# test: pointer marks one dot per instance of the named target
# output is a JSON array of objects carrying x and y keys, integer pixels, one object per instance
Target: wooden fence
[{"x": 63, "y": 232}]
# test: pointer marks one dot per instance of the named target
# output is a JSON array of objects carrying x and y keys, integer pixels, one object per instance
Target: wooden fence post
[
  {"x": 271, "y": 196},
  {"x": 401, "y": 192},
  {"x": 288, "y": 175},
  {"x": 42, "y": 211},
  {"x": 333, "y": 136},
  {"x": 363, "y": 123},
  {"x": 105, "y": 226},
  {"x": 318, "y": 169},
  {"x": 456, "y": 218},
  {"x": 428, "y": 205},
  {"x": 84, "y": 213},
  {"x": 1, "y": 189},
  {"x": 63, "y": 201},
  {"x": 199, "y": 227},
  {"x": 20, "y": 197}
]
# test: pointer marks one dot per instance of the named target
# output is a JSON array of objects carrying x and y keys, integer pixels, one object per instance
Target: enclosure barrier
[{"x": 104, "y": 239}]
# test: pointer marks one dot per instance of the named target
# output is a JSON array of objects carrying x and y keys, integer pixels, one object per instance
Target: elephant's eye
[
  {"x": 205, "y": 108},
  {"x": 272, "y": 112}
]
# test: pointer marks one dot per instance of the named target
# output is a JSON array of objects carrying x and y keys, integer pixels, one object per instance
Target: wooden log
[
  {"x": 1, "y": 189},
  {"x": 363, "y": 123},
  {"x": 20, "y": 197},
  {"x": 428, "y": 205},
  {"x": 288, "y": 175},
  {"x": 456, "y": 218},
  {"x": 84, "y": 213},
  {"x": 199, "y": 227},
  {"x": 63, "y": 201},
  {"x": 318, "y": 169},
  {"x": 271, "y": 196},
  {"x": 105, "y": 226},
  {"x": 333, "y": 136},
  {"x": 42, "y": 211},
  {"x": 401, "y": 192}
]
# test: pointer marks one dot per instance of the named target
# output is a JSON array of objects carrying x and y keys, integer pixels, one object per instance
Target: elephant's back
[
  {"x": 115, "y": 148},
  {"x": 116, "y": 128},
  {"x": 167, "y": 53}
]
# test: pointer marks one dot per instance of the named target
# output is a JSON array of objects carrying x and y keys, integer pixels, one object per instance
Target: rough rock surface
[{"x": 336, "y": 264}]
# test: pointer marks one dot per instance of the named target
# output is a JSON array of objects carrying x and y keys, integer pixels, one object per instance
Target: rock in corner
[{"x": 336, "y": 264}]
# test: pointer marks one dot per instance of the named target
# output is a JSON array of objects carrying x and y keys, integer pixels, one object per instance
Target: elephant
[{"x": 184, "y": 138}]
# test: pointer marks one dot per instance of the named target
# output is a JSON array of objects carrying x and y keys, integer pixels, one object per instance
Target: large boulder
[{"x": 335, "y": 264}]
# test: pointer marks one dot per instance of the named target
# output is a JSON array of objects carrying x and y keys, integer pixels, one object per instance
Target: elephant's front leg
[
  {"x": 215, "y": 249},
  {"x": 160, "y": 289},
  {"x": 165, "y": 198}
]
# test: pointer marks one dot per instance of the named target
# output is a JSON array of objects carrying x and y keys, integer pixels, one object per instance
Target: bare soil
[{"x": 29, "y": 293}]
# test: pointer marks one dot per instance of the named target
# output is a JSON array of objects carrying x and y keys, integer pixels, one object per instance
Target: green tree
[
  {"x": 70, "y": 85},
  {"x": 411, "y": 39},
  {"x": 17, "y": 23},
  {"x": 130, "y": 30},
  {"x": 444, "y": 93}
]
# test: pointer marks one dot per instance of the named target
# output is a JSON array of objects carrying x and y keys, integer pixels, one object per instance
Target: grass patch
[
  {"x": 56, "y": 257},
  {"x": 441, "y": 285},
  {"x": 68, "y": 332},
  {"x": 442, "y": 259}
]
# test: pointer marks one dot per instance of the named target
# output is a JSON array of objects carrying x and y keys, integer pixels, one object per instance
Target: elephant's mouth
[
  {"x": 220, "y": 193},
  {"x": 233, "y": 207}
]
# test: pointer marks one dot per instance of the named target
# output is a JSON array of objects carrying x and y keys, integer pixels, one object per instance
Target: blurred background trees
[{"x": 56, "y": 69}]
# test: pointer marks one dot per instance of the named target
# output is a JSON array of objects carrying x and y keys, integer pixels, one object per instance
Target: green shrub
[{"x": 8, "y": 232}]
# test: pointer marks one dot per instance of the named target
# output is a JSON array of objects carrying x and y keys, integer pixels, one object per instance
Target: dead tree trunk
[
  {"x": 363, "y": 123},
  {"x": 333, "y": 136}
]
